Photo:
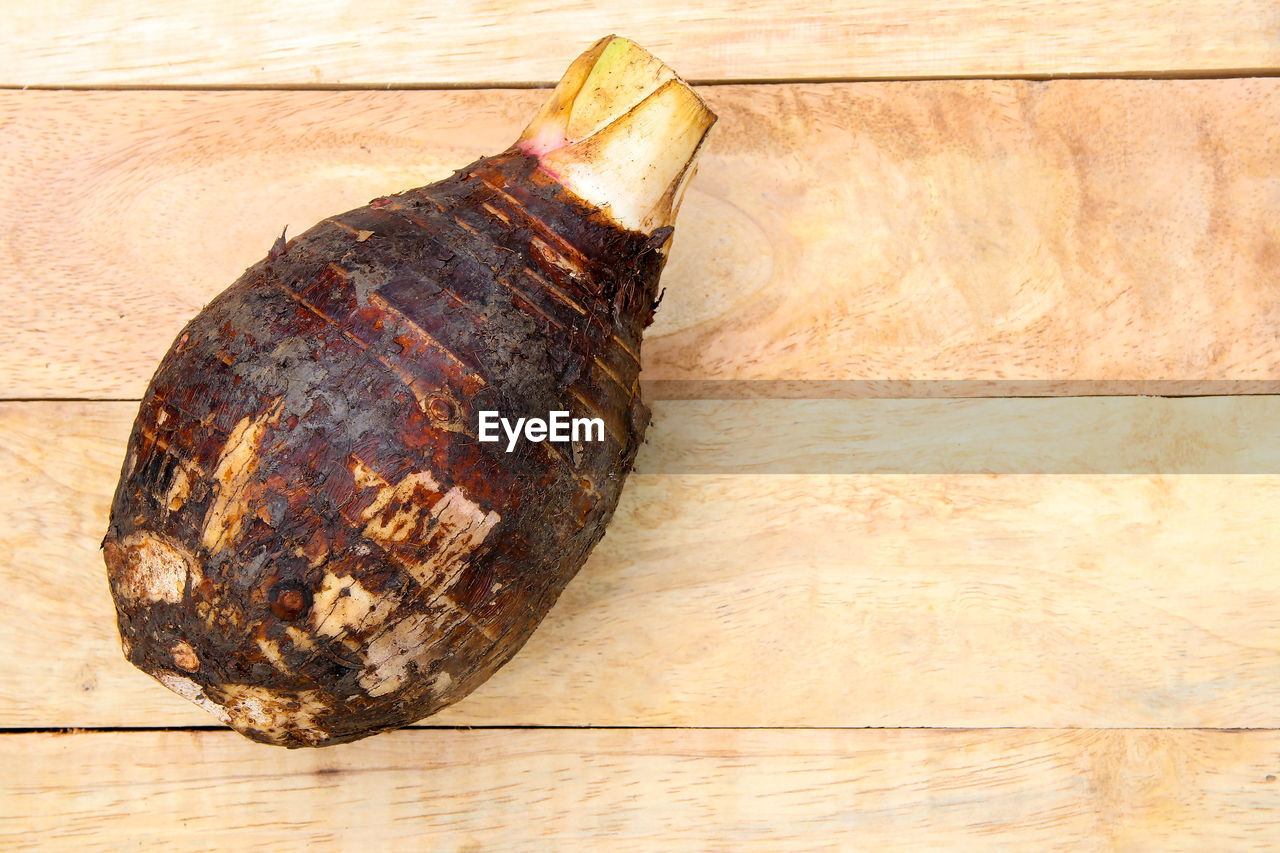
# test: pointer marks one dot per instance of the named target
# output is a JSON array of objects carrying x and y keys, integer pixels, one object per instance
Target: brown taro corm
[{"x": 309, "y": 540}]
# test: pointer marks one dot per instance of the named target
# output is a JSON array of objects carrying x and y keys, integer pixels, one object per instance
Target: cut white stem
[{"x": 621, "y": 131}]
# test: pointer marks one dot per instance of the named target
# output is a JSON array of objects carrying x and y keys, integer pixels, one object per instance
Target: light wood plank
[
  {"x": 956, "y": 230},
  {"x": 159, "y": 42},
  {"x": 648, "y": 790},
  {"x": 782, "y": 599}
]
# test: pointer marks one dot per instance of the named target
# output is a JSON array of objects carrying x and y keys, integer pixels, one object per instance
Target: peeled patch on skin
[
  {"x": 192, "y": 692},
  {"x": 299, "y": 638},
  {"x": 178, "y": 492},
  {"x": 271, "y": 651},
  {"x": 275, "y": 714},
  {"x": 147, "y": 568},
  {"x": 390, "y": 653},
  {"x": 342, "y": 605},
  {"x": 414, "y": 510},
  {"x": 236, "y": 467}
]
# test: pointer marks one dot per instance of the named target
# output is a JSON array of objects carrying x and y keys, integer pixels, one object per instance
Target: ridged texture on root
[{"x": 308, "y": 539}]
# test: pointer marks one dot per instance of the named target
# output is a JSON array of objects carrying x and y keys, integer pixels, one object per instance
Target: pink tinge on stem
[{"x": 621, "y": 131}]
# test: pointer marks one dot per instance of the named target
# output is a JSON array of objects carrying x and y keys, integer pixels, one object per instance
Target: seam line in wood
[{"x": 1209, "y": 73}]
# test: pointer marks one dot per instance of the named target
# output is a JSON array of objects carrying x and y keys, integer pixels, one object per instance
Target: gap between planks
[
  {"x": 519, "y": 727},
  {"x": 485, "y": 85}
]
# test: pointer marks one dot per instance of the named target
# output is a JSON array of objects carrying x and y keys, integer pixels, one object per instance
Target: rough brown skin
[{"x": 308, "y": 539}]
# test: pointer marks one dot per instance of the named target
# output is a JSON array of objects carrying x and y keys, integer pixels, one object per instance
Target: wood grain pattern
[
  {"x": 930, "y": 230},
  {"x": 74, "y": 42},
  {"x": 776, "y": 600},
  {"x": 647, "y": 790},
  {"x": 1009, "y": 237}
]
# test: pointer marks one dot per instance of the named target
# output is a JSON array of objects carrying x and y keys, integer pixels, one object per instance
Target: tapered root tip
[{"x": 621, "y": 131}]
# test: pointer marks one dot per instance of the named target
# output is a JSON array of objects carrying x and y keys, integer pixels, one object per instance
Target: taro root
[{"x": 310, "y": 540}]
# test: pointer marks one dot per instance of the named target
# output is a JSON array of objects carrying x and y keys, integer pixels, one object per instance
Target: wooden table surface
[{"x": 957, "y": 527}]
